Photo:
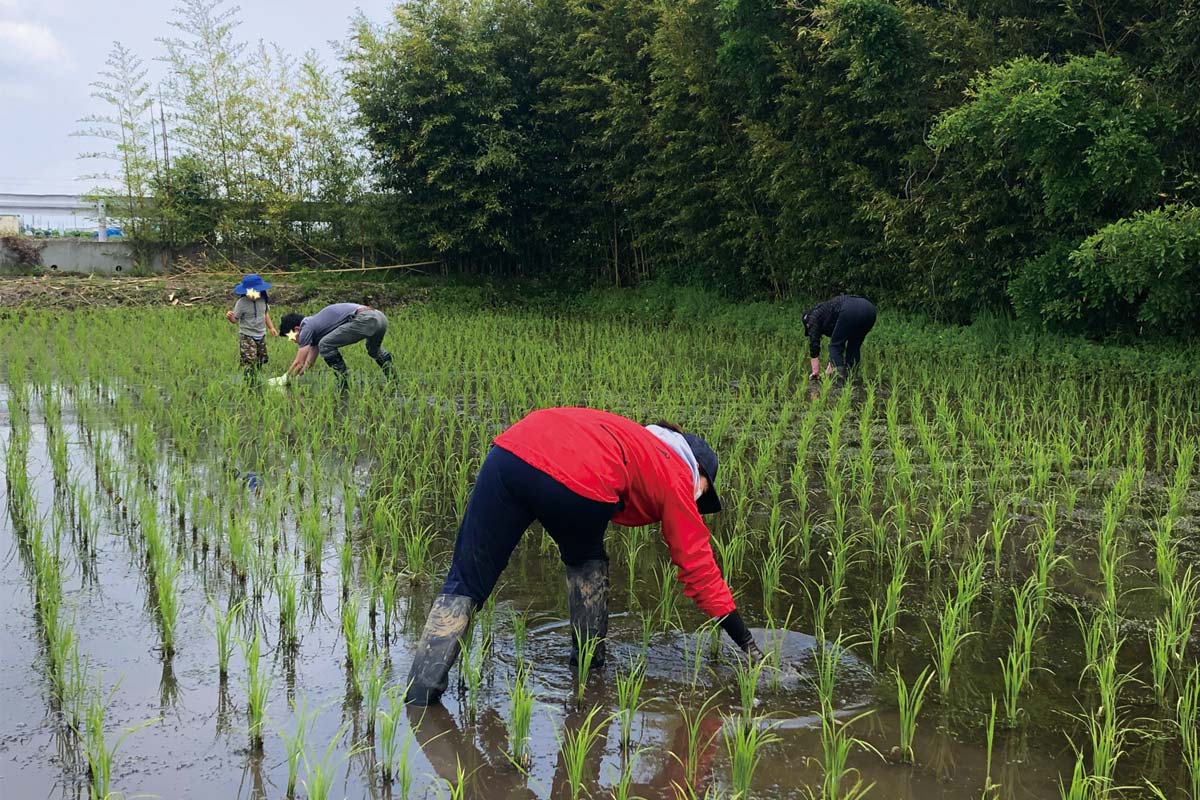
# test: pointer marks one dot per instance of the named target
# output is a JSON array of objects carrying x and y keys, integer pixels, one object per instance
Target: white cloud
[
  {"x": 22, "y": 43},
  {"x": 16, "y": 91}
]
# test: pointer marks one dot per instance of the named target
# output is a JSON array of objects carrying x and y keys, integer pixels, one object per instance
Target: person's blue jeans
[{"x": 508, "y": 496}]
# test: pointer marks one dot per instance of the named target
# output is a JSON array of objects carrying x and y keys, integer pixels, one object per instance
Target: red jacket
[{"x": 608, "y": 458}]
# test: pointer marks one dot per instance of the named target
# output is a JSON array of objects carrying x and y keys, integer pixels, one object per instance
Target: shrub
[{"x": 1148, "y": 266}]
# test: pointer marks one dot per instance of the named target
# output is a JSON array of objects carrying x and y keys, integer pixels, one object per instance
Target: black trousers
[
  {"x": 852, "y": 326},
  {"x": 508, "y": 496}
]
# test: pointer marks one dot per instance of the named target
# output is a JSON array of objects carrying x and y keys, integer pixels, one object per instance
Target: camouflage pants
[{"x": 253, "y": 351}]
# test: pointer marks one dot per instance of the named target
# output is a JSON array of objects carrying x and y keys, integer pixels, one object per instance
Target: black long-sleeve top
[{"x": 819, "y": 321}]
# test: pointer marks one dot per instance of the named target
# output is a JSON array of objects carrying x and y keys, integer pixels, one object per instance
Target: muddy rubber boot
[
  {"x": 438, "y": 649},
  {"x": 385, "y": 363},
  {"x": 587, "y": 599}
]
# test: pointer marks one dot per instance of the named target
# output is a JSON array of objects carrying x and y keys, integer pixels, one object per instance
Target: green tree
[
  {"x": 1142, "y": 272},
  {"x": 209, "y": 89},
  {"x": 1037, "y": 157},
  {"x": 433, "y": 106},
  {"x": 127, "y": 128}
]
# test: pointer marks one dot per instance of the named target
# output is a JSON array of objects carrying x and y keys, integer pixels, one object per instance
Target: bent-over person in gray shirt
[{"x": 332, "y": 328}]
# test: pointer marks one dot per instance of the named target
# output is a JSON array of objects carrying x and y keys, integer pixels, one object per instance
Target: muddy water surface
[{"x": 195, "y": 745}]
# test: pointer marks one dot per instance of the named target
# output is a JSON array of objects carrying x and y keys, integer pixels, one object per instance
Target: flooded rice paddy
[{"x": 1023, "y": 548}]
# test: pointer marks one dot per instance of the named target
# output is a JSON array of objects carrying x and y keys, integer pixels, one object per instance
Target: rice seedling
[
  {"x": 883, "y": 616},
  {"x": 952, "y": 633},
  {"x": 1082, "y": 786},
  {"x": 575, "y": 743},
  {"x": 319, "y": 772},
  {"x": 485, "y": 624},
  {"x": 648, "y": 628},
  {"x": 1105, "y": 725},
  {"x": 286, "y": 591},
  {"x": 1017, "y": 666},
  {"x": 744, "y": 743},
  {"x": 1188, "y": 718},
  {"x": 666, "y": 609},
  {"x": 700, "y": 737},
  {"x": 839, "y": 781},
  {"x": 294, "y": 744},
  {"x": 417, "y": 543},
  {"x": 1098, "y": 633},
  {"x": 346, "y": 562},
  {"x": 471, "y": 671},
  {"x": 371, "y": 682},
  {"x": 933, "y": 538},
  {"x": 99, "y": 752},
  {"x": 909, "y": 701},
  {"x": 773, "y": 642},
  {"x": 586, "y": 647},
  {"x": 634, "y": 544},
  {"x": 166, "y": 575},
  {"x": 990, "y": 788},
  {"x": 699, "y": 645},
  {"x": 223, "y": 624},
  {"x": 387, "y": 598},
  {"x": 770, "y": 571},
  {"x": 629, "y": 690},
  {"x": 358, "y": 643},
  {"x": 1001, "y": 522},
  {"x": 1166, "y": 552},
  {"x": 456, "y": 789},
  {"x": 258, "y": 688},
  {"x": 622, "y": 788},
  {"x": 395, "y": 744},
  {"x": 519, "y": 621},
  {"x": 521, "y": 701}
]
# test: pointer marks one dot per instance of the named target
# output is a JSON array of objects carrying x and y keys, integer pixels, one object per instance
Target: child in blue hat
[{"x": 253, "y": 318}]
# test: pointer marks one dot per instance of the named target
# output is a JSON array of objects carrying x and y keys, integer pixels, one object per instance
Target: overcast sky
[{"x": 50, "y": 50}]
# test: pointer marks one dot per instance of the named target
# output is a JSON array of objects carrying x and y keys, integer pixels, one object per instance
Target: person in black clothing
[{"x": 846, "y": 320}]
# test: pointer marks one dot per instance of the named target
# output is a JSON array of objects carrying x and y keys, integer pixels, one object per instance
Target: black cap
[{"x": 707, "y": 503}]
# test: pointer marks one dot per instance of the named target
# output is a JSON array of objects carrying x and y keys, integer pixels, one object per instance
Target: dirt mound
[{"x": 70, "y": 292}]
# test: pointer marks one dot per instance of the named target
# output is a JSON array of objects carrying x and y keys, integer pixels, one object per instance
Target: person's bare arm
[
  {"x": 816, "y": 367},
  {"x": 271, "y": 325},
  {"x": 303, "y": 360}
]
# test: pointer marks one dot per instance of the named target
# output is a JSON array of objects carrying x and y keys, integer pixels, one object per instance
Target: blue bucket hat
[{"x": 251, "y": 281}]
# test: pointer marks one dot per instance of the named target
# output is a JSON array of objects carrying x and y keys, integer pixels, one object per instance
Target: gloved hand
[{"x": 733, "y": 624}]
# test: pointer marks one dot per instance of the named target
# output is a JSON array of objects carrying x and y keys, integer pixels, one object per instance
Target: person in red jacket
[{"x": 574, "y": 470}]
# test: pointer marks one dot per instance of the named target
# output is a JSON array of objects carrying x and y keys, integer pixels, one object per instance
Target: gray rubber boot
[
  {"x": 438, "y": 649},
  {"x": 587, "y": 599}
]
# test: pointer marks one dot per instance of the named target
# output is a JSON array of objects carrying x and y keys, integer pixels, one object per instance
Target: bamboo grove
[{"x": 1023, "y": 156}]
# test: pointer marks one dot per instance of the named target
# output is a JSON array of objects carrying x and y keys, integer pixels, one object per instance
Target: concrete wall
[{"x": 87, "y": 257}]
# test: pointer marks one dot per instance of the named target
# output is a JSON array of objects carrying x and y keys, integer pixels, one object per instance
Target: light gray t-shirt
[
  {"x": 251, "y": 317},
  {"x": 314, "y": 328}
]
